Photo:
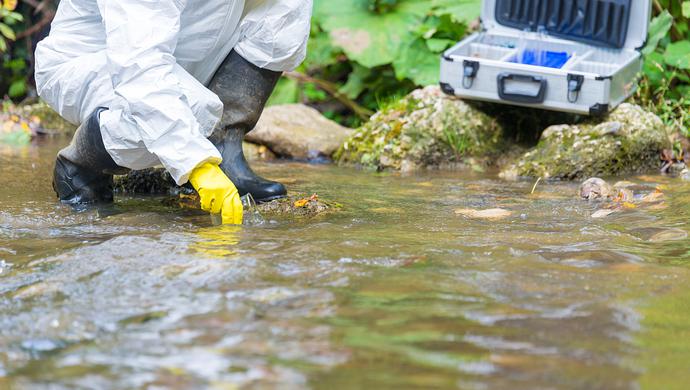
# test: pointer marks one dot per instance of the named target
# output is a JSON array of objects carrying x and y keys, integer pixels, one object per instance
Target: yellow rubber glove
[{"x": 218, "y": 194}]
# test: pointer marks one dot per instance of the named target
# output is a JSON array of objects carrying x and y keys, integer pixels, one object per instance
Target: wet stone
[
  {"x": 51, "y": 121},
  {"x": 41, "y": 345},
  {"x": 596, "y": 188},
  {"x": 299, "y": 132},
  {"x": 627, "y": 141}
]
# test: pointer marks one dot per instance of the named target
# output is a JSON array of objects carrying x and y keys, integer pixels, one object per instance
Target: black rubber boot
[
  {"x": 244, "y": 89},
  {"x": 84, "y": 170}
]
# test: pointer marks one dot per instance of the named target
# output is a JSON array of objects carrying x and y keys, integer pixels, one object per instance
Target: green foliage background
[
  {"x": 371, "y": 51},
  {"x": 665, "y": 87}
]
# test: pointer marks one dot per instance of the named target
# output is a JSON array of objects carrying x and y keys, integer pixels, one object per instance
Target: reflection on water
[{"x": 394, "y": 290}]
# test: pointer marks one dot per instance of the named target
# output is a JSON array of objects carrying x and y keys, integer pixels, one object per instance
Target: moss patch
[{"x": 627, "y": 141}]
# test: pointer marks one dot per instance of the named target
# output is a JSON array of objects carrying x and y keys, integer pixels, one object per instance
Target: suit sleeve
[{"x": 141, "y": 37}]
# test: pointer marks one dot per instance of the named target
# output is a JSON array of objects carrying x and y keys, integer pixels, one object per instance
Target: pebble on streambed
[{"x": 620, "y": 196}]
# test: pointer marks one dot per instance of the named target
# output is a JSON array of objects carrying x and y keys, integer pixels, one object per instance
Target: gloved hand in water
[{"x": 218, "y": 194}]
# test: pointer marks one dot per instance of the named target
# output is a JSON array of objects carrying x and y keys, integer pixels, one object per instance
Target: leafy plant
[
  {"x": 8, "y": 18},
  {"x": 370, "y": 50},
  {"x": 665, "y": 87},
  {"x": 22, "y": 24}
]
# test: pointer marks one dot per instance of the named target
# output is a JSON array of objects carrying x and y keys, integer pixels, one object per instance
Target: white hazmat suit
[{"x": 148, "y": 62}]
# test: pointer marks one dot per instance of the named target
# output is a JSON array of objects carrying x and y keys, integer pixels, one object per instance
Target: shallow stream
[{"x": 393, "y": 291}]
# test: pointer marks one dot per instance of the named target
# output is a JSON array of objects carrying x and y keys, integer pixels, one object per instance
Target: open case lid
[{"x": 607, "y": 23}]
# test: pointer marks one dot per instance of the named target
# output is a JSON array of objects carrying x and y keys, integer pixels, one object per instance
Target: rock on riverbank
[
  {"x": 627, "y": 141},
  {"x": 425, "y": 129}
]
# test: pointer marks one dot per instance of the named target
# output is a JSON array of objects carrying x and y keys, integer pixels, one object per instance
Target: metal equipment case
[{"x": 586, "y": 51}]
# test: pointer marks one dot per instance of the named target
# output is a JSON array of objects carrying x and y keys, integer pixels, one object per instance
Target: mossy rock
[
  {"x": 298, "y": 205},
  {"x": 51, "y": 121},
  {"x": 295, "y": 205},
  {"x": 425, "y": 129},
  {"x": 627, "y": 141}
]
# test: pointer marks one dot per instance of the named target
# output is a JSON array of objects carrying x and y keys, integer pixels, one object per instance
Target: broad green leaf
[
  {"x": 437, "y": 45},
  {"x": 7, "y": 32},
  {"x": 686, "y": 9},
  {"x": 678, "y": 54},
  {"x": 3, "y": 45},
  {"x": 320, "y": 51},
  {"x": 418, "y": 63},
  {"x": 366, "y": 37},
  {"x": 463, "y": 10},
  {"x": 658, "y": 29}
]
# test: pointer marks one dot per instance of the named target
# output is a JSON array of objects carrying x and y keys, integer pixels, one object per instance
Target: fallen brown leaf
[{"x": 303, "y": 202}]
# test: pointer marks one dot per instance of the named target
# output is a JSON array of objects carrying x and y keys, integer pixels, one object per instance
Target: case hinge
[{"x": 470, "y": 69}]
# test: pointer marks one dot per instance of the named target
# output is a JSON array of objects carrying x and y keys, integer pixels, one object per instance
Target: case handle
[{"x": 521, "y": 88}]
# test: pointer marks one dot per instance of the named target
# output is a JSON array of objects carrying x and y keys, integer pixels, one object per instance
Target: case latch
[
  {"x": 574, "y": 86},
  {"x": 470, "y": 69}
]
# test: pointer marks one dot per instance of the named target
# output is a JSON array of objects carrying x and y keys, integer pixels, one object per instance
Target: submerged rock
[
  {"x": 425, "y": 129},
  {"x": 620, "y": 197},
  {"x": 596, "y": 188},
  {"x": 299, "y": 132},
  {"x": 294, "y": 205},
  {"x": 157, "y": 181},
  {"x": 627, "y": 141},
  {"x": 298, "y": 205}
]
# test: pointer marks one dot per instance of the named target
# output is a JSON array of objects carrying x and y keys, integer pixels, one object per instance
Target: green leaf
[
  {"x": 15, "y": 17},
  {"x": 686, "y": 9},
  {"x": 418, "y": 63},
  {"x": 286, "y": 92},
  {"x": 678, "y": 54},
  {"x": 654, "y": 69},
  {"x": 17, "y": 89},
  {"x": 3, "y": 45},
  {"x": 658, "y": 29},
  {"x": 356, "y": 82},
  {"x": 7, "y": 32},
  {"x": 437, "y": 45},
  {"x": 320, "y": 51},
  {"x": 463, "y": 10}
]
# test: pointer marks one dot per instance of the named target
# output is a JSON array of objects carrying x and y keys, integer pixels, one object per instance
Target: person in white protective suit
[{"x": 150, "y": 80}]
